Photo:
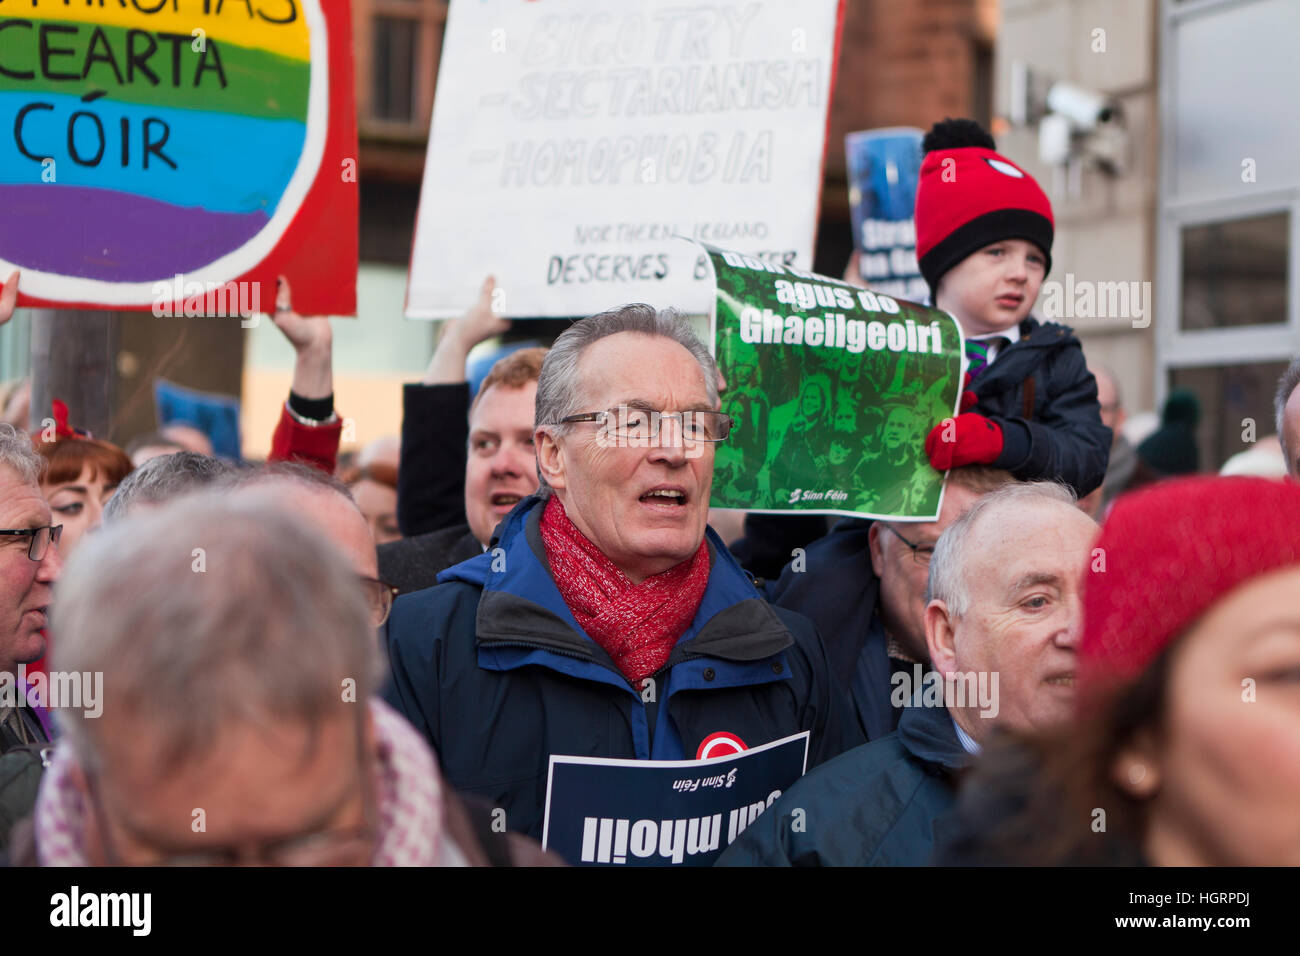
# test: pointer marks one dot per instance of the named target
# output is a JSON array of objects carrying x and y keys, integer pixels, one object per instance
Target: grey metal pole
[{"x": 72, "y": 360}]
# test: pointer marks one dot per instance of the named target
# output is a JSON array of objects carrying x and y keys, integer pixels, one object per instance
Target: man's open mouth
[
  {"x": 505, "y": 499},
  {"x": 664, "y": 496}
]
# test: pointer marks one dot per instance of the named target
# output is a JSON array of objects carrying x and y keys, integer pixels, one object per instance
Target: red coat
[{"x": 316, "y": 445}]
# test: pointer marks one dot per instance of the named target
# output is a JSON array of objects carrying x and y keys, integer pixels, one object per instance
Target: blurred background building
[
  {"x": 1201, "y": 204},
  {"x": 1186, "y": 189},
  {"x": 901, "y": 63}
]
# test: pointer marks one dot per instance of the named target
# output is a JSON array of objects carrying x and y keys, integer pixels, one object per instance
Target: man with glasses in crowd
[
  {"x": 875, "y": 626},
  {"x": 606, "y": 619},
  {"x": 29, "y": 565},
  {"x": 324, "y": 502}
]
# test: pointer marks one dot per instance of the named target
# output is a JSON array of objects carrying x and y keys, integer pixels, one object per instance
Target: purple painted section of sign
[{"x": 115, "y": 236}]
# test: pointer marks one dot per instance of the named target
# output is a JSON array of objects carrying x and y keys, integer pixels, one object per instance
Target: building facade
[{"x": 1203, "y": 211}]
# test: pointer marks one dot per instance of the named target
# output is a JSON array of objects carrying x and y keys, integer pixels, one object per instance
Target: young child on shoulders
[{"x": 984, "y": 242}]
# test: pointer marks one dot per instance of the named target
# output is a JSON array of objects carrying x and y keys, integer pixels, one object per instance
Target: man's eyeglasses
[
  {"x": 921, "y": 554},
  {"x": 41, "y": 539},
  {"x": 379, "y": 595},
  {"x": 629, "y": 423}
]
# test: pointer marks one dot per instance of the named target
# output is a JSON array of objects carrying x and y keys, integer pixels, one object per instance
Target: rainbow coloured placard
[{"x": 141, "y": 140}]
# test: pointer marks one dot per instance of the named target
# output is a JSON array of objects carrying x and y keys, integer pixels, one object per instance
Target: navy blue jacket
[
  {"x": 880, "y": 804},
  {"x": 1063, "y": 437},
  {"x": 838, "y": 591},
  {"x": 492, "y": 667}
]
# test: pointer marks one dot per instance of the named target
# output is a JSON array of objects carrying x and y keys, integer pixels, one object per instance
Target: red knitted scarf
[{"x": 636, "y": 624}]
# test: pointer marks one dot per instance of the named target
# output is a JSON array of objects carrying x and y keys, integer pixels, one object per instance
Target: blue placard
[
  {"x": 217, "y": 416},
  {"x": 884, "y": 166},
  {"x": 663, "y": 812}
]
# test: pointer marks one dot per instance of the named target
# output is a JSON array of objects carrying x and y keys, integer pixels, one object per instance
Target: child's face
[{"x": 994, "y": 288}]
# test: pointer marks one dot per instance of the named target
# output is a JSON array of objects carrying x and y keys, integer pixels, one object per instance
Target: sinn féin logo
[
  {"x": 1004, "y": 168},
  {"x": 721, "y": 744}
]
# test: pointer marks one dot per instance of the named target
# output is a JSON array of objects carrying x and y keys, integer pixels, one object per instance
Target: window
[
  {"x": 397, "y": 45},
  {"x": 1231, "y": 397},
  {"x": 392, "y": 69},
  {"x": 1227, "y": 318},
  {"x": 1235, "y": 272}
]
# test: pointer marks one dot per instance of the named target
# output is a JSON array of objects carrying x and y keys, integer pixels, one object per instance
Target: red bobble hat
[
  {"x": 969, "y": 196},
  {"x": 1170, "y": 552}
]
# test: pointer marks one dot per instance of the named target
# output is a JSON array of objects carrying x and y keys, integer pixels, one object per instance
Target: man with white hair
[
  {"x": 607, "y": 620},
  {"x": 1002, "y": 623},
  {"x": 238, "y": 724}
]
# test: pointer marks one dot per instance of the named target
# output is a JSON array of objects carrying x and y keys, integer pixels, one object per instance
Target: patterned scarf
[
  {"x": 409, "y": 795},
  {"x": 977, "y": 353},
  {"x": 636, "y": 624}
]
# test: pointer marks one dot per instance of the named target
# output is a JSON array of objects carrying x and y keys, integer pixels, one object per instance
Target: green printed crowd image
[{"x": 834, "y": 389}]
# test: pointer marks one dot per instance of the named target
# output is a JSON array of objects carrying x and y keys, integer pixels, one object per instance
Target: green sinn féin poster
[{"x": 834, "y": 389}]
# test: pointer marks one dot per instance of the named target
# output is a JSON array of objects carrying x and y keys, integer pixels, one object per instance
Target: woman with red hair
[{"x": 81, "y": 474}]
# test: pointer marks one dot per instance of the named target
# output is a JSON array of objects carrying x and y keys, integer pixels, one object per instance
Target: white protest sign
[{"x": 573, "y": 139}]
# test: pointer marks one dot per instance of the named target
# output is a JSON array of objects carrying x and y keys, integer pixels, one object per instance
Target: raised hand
[
  {"x": 8, "y": 298},
  {"x": 313, "y": 341},
  {"x": 459, "y": 335}
]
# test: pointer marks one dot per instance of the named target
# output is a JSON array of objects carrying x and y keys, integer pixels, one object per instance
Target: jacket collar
[
  {"x": 522, "y": 606},
  {"x": 1019, "y": 359},
  {"x": 927, "y": 733}
]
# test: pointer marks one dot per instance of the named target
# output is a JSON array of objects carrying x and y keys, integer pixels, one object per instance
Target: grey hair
[
  {"x": 947, "y": 580},
  {"x": 298, "y": 473},
  {"x": 17, "y": 452},
  {"x": 163, "y": 478},
  {"x": 1290, "y": 380},
  {"x": 559, "y": 392},
  {"x": 205, "y": 613}
]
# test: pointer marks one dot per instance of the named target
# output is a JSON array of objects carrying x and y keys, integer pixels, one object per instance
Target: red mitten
[
  {"x": 968, "y": 398},
  {"x": 968, "y": 439}
]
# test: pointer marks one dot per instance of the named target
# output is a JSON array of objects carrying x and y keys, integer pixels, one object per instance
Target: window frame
[
  {"x": 431, "y": 18},
  {"x": 1175, "y": 347}
]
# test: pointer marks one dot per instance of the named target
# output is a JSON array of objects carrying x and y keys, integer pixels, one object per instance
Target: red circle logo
[{"x": 721, "y": 744}]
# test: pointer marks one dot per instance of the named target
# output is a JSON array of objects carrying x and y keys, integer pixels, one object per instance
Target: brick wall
[{"x": 902, "y": 63}]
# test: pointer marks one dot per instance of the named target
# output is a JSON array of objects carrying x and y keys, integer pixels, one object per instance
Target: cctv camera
[{"x": 1084, "y": 109}]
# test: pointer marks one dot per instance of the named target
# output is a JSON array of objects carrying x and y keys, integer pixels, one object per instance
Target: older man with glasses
[
  {"x": 1002, "y": 622},
  {"x": 29, "y": 565},
  {"x": 606, "y": 619},
  {"x": 325, "y": 502}
]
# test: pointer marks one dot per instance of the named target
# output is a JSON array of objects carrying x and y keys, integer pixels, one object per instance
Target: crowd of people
[{"x": 1091, "y": 654}]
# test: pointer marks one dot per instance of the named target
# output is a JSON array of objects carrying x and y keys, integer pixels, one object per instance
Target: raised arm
[
  {"x": 435, "y": 424},
  {"x": 309, "y": 429}
]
